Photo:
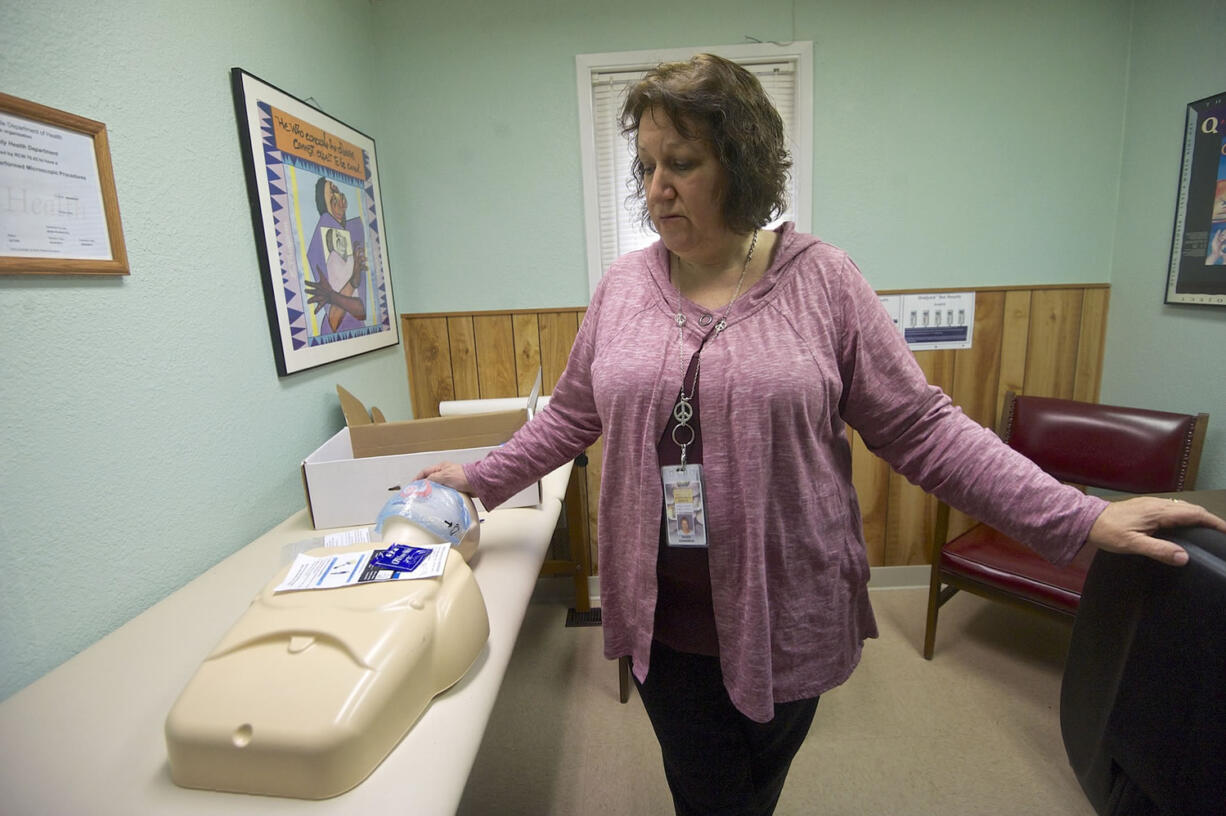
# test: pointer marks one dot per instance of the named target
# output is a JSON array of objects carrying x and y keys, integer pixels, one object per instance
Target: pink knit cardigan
[{"x": 808, "y": 348}]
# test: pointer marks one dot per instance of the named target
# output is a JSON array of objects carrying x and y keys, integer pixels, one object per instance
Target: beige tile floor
[{"x": 975, "y": 731}]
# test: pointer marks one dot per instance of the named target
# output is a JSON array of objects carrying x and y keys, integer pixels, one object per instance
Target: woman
[{"x": 728, "y": 358}]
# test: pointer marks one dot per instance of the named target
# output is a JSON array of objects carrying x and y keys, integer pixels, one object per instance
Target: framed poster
[
  {"x": 313, "y": 182},
  {"x": 59, "y": 214},
  {"x": 1197, "y": 273}
]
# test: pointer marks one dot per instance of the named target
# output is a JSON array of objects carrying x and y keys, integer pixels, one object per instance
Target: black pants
[{"x": 717, "y": 760}]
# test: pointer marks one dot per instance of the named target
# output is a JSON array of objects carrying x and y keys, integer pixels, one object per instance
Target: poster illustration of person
[
  {"x": 1216, "y": 253},
  {"x": 315, "y": 180},
  {"x": 336, "y": 265}
]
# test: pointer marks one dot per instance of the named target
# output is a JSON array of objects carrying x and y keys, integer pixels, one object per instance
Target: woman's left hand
[
  {"x": 1127, "y": 527},
  {"x": 447, "y": 473}
]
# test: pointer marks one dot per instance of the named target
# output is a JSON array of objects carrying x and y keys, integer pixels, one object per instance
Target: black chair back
[{"x": 1143, "y": 701}]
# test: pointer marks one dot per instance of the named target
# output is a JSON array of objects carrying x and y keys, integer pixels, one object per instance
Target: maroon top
[{"x": 685, "y": 614}]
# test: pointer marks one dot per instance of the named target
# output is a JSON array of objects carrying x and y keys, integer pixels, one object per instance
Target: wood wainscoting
[{"x": 1042, "y": 341}]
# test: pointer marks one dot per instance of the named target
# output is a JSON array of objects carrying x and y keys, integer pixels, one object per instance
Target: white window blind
[{"x": 614, "y": 227}]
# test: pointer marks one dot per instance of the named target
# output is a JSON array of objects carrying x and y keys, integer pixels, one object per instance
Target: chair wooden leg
[
  {"x": 939, "y": 537},
  {"x": 623, "y": 679},
  {"x": 934, "y": 605}
]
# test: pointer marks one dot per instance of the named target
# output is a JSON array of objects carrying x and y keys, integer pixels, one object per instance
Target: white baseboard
[
  {"x": 560, "y": 589},
  {"x": 902, "y": 577}
]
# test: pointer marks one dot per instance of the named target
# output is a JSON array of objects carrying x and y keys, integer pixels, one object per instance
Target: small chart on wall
[{"x": 933, "y": 320}]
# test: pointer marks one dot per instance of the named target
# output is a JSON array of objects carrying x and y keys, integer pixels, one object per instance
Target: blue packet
[{"x": 399, "y": 557}]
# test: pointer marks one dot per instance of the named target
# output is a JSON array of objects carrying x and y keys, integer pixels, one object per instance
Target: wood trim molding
[{"x": 1037, "y": 340}]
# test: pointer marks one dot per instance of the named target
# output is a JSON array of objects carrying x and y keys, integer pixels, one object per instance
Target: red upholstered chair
[{"x": 1128, "y": 450}]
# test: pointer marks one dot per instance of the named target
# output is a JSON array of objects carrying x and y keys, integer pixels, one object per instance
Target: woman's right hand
[{"x": 447, "y": 473}]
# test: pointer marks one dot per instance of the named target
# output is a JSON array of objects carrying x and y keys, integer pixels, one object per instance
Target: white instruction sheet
[{"x": 350, "y": 569}]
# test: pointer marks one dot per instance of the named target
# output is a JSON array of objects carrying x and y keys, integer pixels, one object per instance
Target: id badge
[{"x": 683, "y": 506}]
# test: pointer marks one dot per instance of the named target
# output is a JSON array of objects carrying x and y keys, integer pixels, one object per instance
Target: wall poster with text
[
  {"x": 315, "y": 204},
  {"x": 1197, "y": 271}
]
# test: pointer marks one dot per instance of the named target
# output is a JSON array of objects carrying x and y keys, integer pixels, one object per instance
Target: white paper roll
[{"x": 483, "y": 406}]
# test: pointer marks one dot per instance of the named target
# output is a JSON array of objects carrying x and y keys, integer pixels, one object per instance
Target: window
[{"x": 612, "y": 228}]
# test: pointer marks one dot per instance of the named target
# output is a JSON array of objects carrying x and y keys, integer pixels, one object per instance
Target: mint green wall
[
  {"x": 956, "y": 143},
  {"x": 142, "y": 418},
  {"x": 1170, "y": 357}
]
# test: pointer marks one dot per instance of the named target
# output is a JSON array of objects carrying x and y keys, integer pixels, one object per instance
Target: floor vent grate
[{"x": 589, "y": 618}]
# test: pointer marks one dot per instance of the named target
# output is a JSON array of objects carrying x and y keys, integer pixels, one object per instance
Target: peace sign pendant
[{"x": 683, "y": 411}]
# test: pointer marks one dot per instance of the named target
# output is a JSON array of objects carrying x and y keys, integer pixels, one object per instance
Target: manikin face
[
  {"x": 683, "y": 182},
  {"x": 336, "y": 201}
]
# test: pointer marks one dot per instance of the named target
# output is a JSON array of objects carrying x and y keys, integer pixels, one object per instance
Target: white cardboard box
[{"x": 345, "y": 489}]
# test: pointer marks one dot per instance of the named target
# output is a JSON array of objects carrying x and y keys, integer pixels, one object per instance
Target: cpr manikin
[{"x": 310, "y": 690}]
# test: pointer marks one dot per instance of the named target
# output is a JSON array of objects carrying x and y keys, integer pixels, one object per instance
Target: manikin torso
[{"x": 310, "y": 690}]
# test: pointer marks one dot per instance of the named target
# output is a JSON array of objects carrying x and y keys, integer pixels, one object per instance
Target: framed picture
[
  {"x": 60, "y": 213},
  {"x": 315, "y": 206},
  {"x": 1197, "y": 272}
]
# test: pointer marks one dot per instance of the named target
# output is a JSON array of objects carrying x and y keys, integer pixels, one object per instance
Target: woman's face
[
  {"x": 337, "y": 203},
  {"x": 683, "y": 182}
]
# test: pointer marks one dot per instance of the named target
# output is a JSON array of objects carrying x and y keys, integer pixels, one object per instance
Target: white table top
[{"x": 87, "y": 738}]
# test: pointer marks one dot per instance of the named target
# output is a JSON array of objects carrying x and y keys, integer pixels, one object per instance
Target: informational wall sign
[
  {"x": 59, "y": 214},
  {"x": 936, "y": 320},
  {"x": 52, "y": 203}
]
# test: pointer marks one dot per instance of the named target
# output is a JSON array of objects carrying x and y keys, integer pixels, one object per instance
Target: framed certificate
[
  {"x": 313, "y": 183},
  {"x": 1197, "y": 272},
  {"x": 59, "y": 214}
]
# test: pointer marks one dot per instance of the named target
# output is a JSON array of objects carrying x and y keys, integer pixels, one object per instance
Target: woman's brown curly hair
[{"x": 712, "y": 98}]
